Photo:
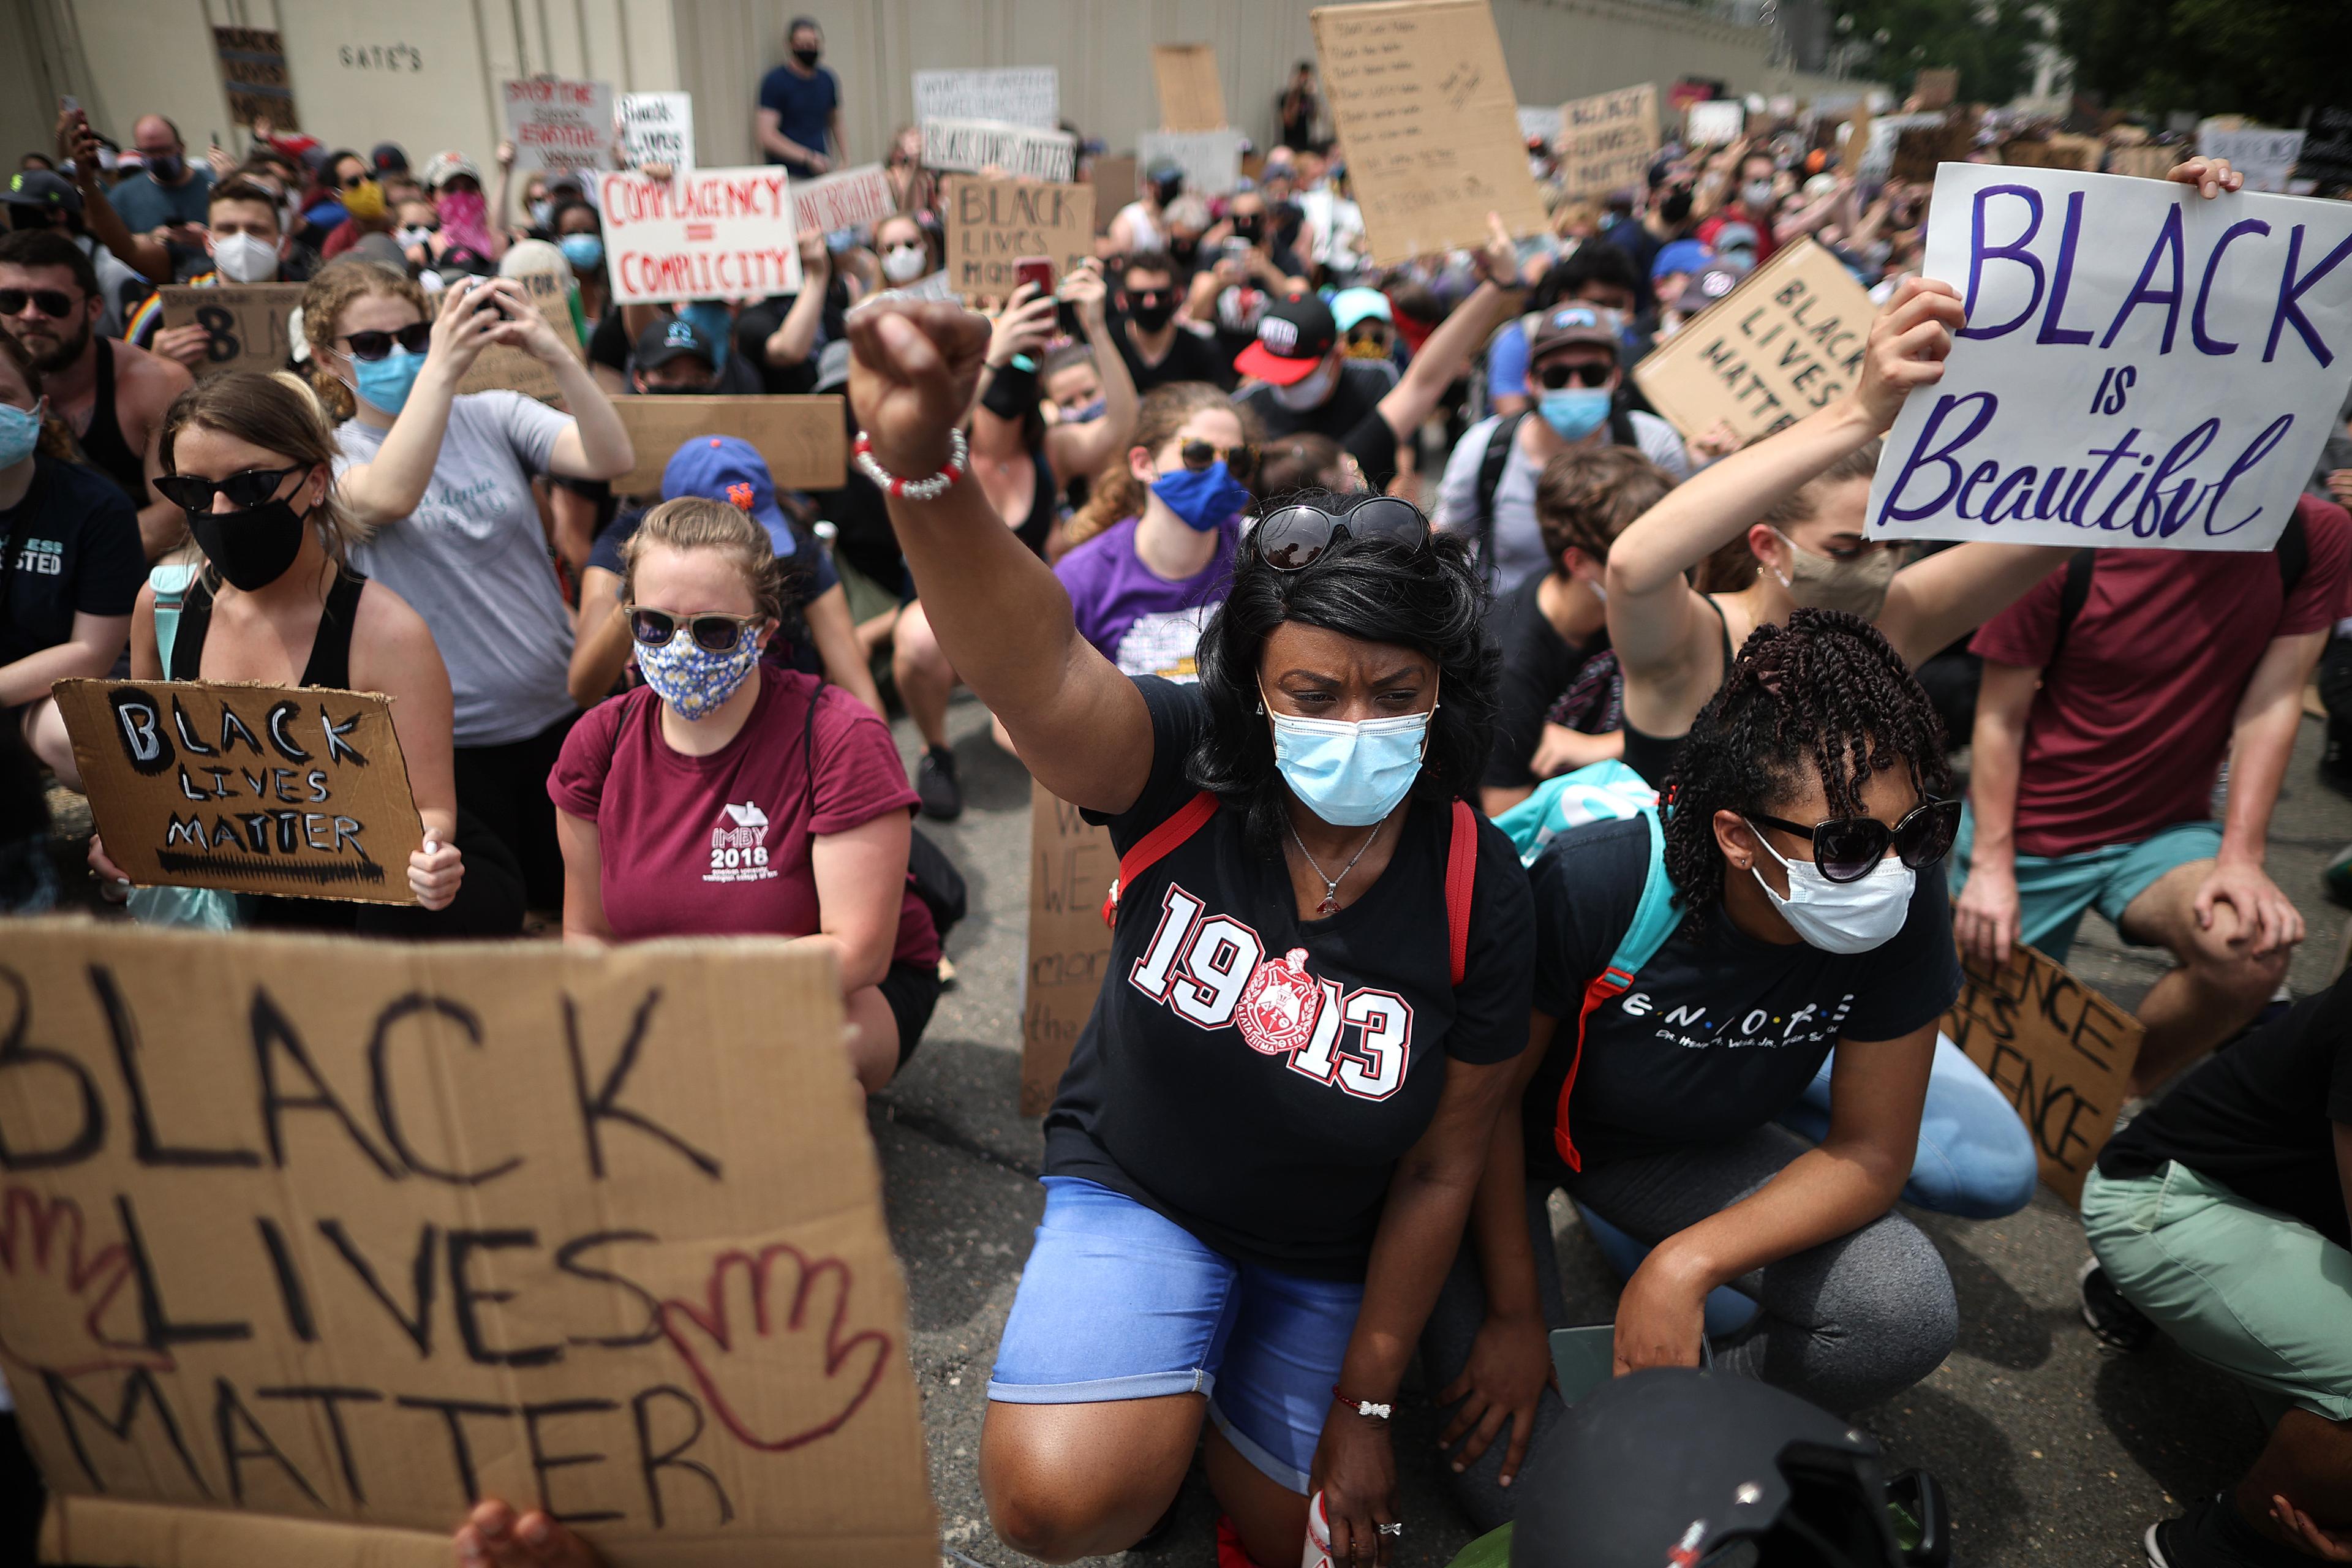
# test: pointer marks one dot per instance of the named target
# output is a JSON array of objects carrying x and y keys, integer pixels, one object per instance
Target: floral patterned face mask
[{"x": 691, "y": 678}]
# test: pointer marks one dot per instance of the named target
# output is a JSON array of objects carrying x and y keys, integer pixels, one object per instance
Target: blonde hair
[
  {"x": 1118, "y": 493},
  {"x": 276, "y": 412},
  {"x": 323, "y": 302},
  {"x": 698, "y": 522}
]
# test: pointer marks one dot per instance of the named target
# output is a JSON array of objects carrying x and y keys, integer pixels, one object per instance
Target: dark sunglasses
[
  {"x": 54, "y": 303},
  {"x": 190, "y": 493},
  {"x": 1298, "y": 536},
  {"x": 1241, "y": 461},
  {"x": 713, "y": 632},
  {"x": 416, "y": 337},
  {"x": 1848, "y": 849},
  {"x": 1552, "y": 377},
  {"x": 353, "y": 182},
  {"x": 1147, "y": 298}
]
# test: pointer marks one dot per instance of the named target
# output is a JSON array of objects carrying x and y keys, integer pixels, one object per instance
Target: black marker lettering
[
  {"x": 463, "y": 1294},
  {"x": 188, "y": 789},
  {"x": 139, "y": 1384},
  {"x": 314, "y": 823},
  {"x": 331, "y": 1400},
  {"x": 317, "y": 779},
  {"x": 289, "y": 830},
  {"x": 14, "y": 1053},
  {"x": 542, "y": 1461},
  {"x": 417, "y": 1326},
  {"x": 566, "y": 1258},
  {"x": 340, "y": 750},
  {"x": 453, "y": 1412},
  {"x": 649, "y": 1462},
  {"x": 281, "y": 781},
  {"x": 290, "y": 1281},
  {"x": 138, "y": 726},
  {"x": 273, "y": 1032},
  {"x": 145, "y": 1147},
  {"x": 379, "y": 1077},
  {"x": 255, "y": 783},
  {"x": 600, "y": 1107},
  {"x": 229, "y": 1410},
  {"x": 232, "y": 730},
  {"x": 188, "y": 742},
  {"x": 163, "y": 1334}
]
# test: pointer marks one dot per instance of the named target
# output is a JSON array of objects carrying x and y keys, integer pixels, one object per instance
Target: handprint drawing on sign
[
  {"x": 57, "y": 1297},
  {"x": 780, "y": 1310}
]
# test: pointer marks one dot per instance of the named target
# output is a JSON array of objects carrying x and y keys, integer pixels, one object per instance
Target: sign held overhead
[
  {"x": 968, "y": 146},
  {"x": 1019, "y": 95},
  {"x": 706, "y": 234},
  {"x": 1608, "y": 140},
  {"x": 247, "y": 325},
  {"x": 560, "y": 125},
  {"x": 1192, "y": 98},
  {"x": 1788, "y": 341},
  {"x": 993, "y": 224}
]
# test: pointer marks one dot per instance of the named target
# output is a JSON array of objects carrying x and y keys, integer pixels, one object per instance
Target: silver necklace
[{"x": 1330, "y": 904}]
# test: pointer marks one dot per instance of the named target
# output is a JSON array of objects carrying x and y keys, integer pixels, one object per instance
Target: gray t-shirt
[
  {"x": 1518, "y": 539},
  {"x": 473, "y": 560}
]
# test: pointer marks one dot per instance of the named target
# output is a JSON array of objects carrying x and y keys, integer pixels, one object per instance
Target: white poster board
[
  {"x": 1717, "y": 121},
  {"x": 2141, "y": 366},
  {"x": 1538, "y": 122},
  {"x": 1018, "y": 95},
  {"x": 560, "y": 125},
  {"x": 854, "y": 198},
  {"x": 1212, "y": 160},
  {"x": 2265, "y": 157},
  {"x": 708, "y": 234},
  {"x": 657, "y": 128},
  {"x": 1021, "y": 152}
]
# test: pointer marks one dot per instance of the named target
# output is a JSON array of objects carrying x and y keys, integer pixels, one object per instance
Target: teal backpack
[{"x": 1607, "y": 791}]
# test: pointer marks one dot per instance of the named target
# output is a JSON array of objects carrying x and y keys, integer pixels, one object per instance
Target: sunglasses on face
[
  {"x": 1299, "y": 536},
  {"x": 191, "y": 492},
  {"x": 353, "y": 182},
  {"x": 1240, "y": 461},
  {"x": 1552, "y": 377},
  {"x": 54, "y": 303},
  {"x": 1368, "y": 334},
  {"x": 712, "y": 632},
  {"x": 416, "y": 337},
  {"x": 1848, "y": 849}
]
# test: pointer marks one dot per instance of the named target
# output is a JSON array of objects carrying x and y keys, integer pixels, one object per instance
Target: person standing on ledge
[{"x": 799, "y": 117}]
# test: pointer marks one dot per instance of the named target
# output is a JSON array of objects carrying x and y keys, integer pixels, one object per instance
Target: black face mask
[
  {"x": 1166, "y": 191},
  {"x": 1249, "y": 228},
  {"x": 166, "y": 166},
  {"x": 808, "y": 57},
  {"x": 253, "y": 548},
  {"x": 1677, "y": 207},
  {"x": 1184, "y": 251},
  {"x": 1151, "y": 312},
  {"x": 654, "y": 389}
]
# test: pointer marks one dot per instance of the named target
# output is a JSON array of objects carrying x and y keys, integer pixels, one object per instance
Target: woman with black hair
[
  {"x": 1259, "y": 1162},
  {"x": 1810, "y": 812}
]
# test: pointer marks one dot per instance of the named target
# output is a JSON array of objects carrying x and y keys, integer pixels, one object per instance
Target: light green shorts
[
  {"x": 2052, "y": 891},
  {"x": 2265, "y": 1298}
]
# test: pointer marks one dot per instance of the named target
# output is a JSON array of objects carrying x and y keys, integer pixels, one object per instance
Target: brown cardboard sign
[
  {"x": 1071, "y": 867},
  {"x": 1607, "y": 140},
  {"x": 502, "y": 366},
  {"x": 253, "y": 75},
  {"x": 1788, "y": 341},
  {"x": 245, "y": 323},
  {"x": 295, "y": 790},
  {"x": 802, "y": 438},
  {"x": 306, "y": 1242},
  {"x": 1935, "y": 88},
  {"x": 1114, "y": 183},
  {"x": 1192, "y": 98},
  {"x": 2059, "y": 152},
  {"x": 2058, "y": 1050},
  {"x": 1421, "y": 96},
  {"x": 1918, "y": 149},
  {"x": 993, "y": 224},
  {"x": 2144, "y": 163}
]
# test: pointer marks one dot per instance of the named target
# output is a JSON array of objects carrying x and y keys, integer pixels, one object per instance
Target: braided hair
[{"x": 1823, "y": 694}]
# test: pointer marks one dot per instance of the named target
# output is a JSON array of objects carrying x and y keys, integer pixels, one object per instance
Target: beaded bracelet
[
  {"x": 1362, "y": 1406},
  {"x": 931, "y": 489}
]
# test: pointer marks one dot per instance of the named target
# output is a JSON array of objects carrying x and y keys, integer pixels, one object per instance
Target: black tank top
[
  {"x": 329, "y": 665},
  {"x": 102, "y": 446},
  {"x": 1653, "y": 756},
  {"x": 1041, "y": 502}
]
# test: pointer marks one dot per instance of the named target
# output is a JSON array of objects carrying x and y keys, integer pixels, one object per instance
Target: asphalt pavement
[{"x": 2053, "y": 1449}]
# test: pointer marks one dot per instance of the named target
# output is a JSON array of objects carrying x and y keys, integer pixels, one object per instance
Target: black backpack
[{"x": 1498, "y": 456}]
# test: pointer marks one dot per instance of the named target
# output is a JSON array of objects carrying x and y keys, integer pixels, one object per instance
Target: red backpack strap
[
  {"x": 1146, "y": 850},
  {"x": 1605, "y": 984},
  {"x": 1461, "y": 878}
]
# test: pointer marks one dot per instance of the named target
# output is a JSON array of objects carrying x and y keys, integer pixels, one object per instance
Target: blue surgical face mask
[
  {"x": 1086, "y": 414},
  {"x": 20, "y": 432},
  {"x": 1352, "y": 774},
  {"x": 584, "y": 251},
  {"x": 1575, "y": 412},
  {"x": 385, "y": 383},
  {"x": 1203, "y": 498},
  {"x": 710, "y": 319}
]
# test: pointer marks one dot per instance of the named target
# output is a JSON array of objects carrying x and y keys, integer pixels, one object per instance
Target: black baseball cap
[
  {"x": 1293, "y": 337},
  {"x": 665, "y": 339},
  {"x": 43, "y": 189}
]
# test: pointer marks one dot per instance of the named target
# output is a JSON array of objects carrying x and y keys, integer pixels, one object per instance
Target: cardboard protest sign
[
  {"x": 502, "y": 366},
  {"x": 854, "y": 198},
  {"x": 707, "y": 234},
  {"x": 804, "y": 439},
  {"x": 307, "y": 1243},
  {"x": 1192, "y": 98},
  {"x": 2059, "y": 152},
  {"x": 2265, "y": 157},
  {"x": 1788, "y": 341},
  {"x": 557, "y": 124},
  {"x": 1071, "y": 867},
  {"x": 2143, "y": 163},
  {"x": 1421, "y": 96},
  {"x": 2327, "y": 147},
  {"x": 657, "y": 128},
  {"x": 1935, "y": 88},
  {"x": 993, "y": 224},
  {"x": 968, "y": 146},
  {"x": 300, "y": 792},
  {"x": 2141, "y": 367},
  {"x": 246, "y": 324},
  {"x": 1212, "y": 160},
  {"x": 1114, "y": 183},
  {"x": 1608, "y": 140},
  {"x": 2062, "y": 1053},
  {"x": 253, "y": 72},
  {"x": 1948, "y": 140},
  {"x": 1018, "y": 95},
  {"x": 1715, "y": 123}
]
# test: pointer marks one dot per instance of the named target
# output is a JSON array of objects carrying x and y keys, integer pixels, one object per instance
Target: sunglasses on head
[
  {"x": 54, "y": 303},
  {"x": 416, "y": 337},
  {"x": 1552, "y": 377},
  {"x": 191, "y": 492},
  {"x": 1848, "y": 849},
  {"x": 1298, "y": 536},
  {"x": 1241, "y": 461},
  {"x": 713, "y": 632}
]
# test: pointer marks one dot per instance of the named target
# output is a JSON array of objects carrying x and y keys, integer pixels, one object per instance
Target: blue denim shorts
[{"x": 1119, "y": 1302}]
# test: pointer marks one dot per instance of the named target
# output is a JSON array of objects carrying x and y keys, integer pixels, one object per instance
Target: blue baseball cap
[
  {"x": 731, "y": 470},
  {"x": 1680, "y": 256}
]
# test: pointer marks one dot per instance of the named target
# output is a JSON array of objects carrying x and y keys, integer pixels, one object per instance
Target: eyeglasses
[
  {"x": 1848, "y": 849},
  {"x": 1552, "y": 377},
  {"x": 54, "y": 303},
  {"x": 416, "y": 337},
  {"x": 1298, "y": 536},
  {"x": 192, "y": 492},
  {"x": 1240, "y": 461},
  {"x": 713, "y": 632}
]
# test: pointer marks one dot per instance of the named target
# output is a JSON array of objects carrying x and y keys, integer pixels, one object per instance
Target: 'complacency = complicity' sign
[
  {"x": 705, "y": 234},
  {"x": 2140, "y": 366}
]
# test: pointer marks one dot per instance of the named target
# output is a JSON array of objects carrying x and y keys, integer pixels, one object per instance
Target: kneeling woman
[
  {"x": 1258, "y": 1165},
  {"x": 1811, "y": 812},
  {"x": 728, "y": 798}
]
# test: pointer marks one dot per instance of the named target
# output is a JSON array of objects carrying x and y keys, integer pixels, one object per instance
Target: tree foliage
[
  {"x": 1989, "y": 42},
  {"x": 2268, "y": 59}
]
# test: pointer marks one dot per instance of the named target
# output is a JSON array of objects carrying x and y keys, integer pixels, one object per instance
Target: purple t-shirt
[{"x": 1139, "y": 620}]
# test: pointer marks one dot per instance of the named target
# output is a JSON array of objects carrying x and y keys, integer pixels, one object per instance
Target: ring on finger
[{"x": 1396, "y": 1527}]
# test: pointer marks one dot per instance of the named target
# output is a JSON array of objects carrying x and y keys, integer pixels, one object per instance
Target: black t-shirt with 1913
[{"x": 1255, "y": 1077}]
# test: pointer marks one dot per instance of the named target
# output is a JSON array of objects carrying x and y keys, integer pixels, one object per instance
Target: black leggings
[
  {"x": 488, "y": 901},
  {"x": 505, "y": 788}
]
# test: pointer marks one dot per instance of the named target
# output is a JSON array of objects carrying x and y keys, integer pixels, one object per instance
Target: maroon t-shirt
[
  {"x": 2133, "y": 720},
  {"x": 719, "y": 845}
]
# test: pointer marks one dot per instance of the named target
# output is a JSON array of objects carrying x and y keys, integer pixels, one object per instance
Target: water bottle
[{"x": 1318, "y": 1535}]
